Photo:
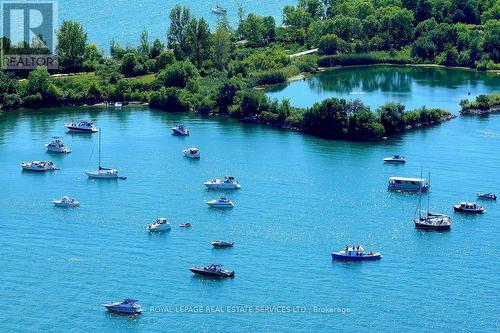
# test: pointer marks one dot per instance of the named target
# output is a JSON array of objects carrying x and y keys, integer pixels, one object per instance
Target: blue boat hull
[{"x": 368, "y": 257}]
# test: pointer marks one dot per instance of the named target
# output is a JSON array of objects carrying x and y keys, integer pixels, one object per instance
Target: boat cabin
[{"x": 408, "y": 184}]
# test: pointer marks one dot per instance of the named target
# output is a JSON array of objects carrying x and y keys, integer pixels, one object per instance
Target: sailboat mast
[
  {"x": 99, "y": 149},
  {"x": 428, "y": 194}
]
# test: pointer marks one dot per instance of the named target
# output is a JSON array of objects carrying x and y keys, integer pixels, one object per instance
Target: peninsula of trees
[{"x": 215, "y": 71}]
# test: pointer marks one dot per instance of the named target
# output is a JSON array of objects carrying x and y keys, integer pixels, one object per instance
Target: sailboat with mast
[
  {"x": 102, "y": 173},
  {"x": 427, "y": 220}
]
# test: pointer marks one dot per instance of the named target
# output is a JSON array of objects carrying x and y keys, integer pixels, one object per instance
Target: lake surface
[
  {"x": 124, "y": 20},
  {"x": 301, "y": 198},
  {"x": 374, "y": 85}
]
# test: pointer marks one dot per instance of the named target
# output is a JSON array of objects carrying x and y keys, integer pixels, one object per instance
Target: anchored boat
[
  {"x": 219, "y": 243},
  {"x": 220, "y": 203},
  {"x": 66, "y": 201},
  {"x": 407, "y": 184},
  {"x": 180, "y": 130},
  {"x": 40, "y": 166},
  {"x": 57, "y": 146},
  {"x": 193, "y": 153},
  {"x": 469, "y": 207},
  {"x": 228, "y": 183},
  {"x": 161, "y": 224},
  {"x": 355, "y": 253},
  {"x": 212, "y": 270},
  {"x": 84, "y": 126},
  {"x": 101, "y": 172},
  {"x": 428, "y": 220},
  {"x": 395, "y": 159},
  {"x": 128, "y": 306},
  {"x": 491, "y": 196}
]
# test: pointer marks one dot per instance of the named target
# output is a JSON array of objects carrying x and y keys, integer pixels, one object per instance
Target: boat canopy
[{"x": 404, "y": 179}]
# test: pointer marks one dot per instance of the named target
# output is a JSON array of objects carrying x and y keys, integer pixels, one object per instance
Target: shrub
[{"x": 170, "y": 99}]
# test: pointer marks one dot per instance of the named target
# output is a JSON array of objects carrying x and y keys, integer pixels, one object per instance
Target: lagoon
[
  {"x": 301, "y": 198},
  {"x": 414, "y": 86}
]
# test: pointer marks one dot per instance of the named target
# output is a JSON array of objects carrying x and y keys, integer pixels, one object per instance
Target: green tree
[
  {"x": 130, "y": 66},
  {"x": 71, "y": 41},
  {"x": 226, "y": 94},
  {"x": 156, "y": 49},
  {"x": 314, "y": 8},
  {"x": 331, "y": 44},
  {"x": 178, "y": 75},
  {"x": 329, "y": 119},
  {"x": 177, "y": 36},
  {"x": 200, "y": 41},
  {"x": 222, "y": 46},
  {"x": 144, "y": 47},
  {"x": 91, "y": 57},
  {"x": 391, "y": 116},
  {"x": 492, "y": 39},
  {"x": 164, "y": 59}
]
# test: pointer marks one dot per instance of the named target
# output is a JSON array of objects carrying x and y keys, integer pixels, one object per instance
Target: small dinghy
[
  {"x": 193, "y": 153},
  {"x": 39, "y": 166},
  {"x": 220, "y": 203},
  {"x": 491, "y": 196},
  {"x": 355, "y": 253},
  {"x": 185, "y": 225},
  {"x": 161, "y": 224},
  {"x": 221, "y": 244},
  {"x": 66, "y": 201},
  {"x": 469, "y": 207},
  {"x": 128, "y": 306},
  {"x": 395, "y": 159},
  {"x": 212, "y": 270}
]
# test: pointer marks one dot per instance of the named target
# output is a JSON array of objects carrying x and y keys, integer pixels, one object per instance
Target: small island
[{"x": 483, "y": 105}]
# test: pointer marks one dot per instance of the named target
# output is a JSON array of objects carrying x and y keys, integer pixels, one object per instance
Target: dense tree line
[{"x": 214, "y": 71}]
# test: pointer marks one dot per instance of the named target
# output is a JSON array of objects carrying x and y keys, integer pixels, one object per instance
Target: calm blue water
[
  {"x": 413, "y": 86},
  {"x": 124, "y": 20},
  {"x": 302, "y": 197}
]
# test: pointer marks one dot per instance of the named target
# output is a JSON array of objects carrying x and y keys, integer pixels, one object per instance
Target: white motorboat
[
  {"x": 395, "y": 159},
  {"x": 228, "y": 183},
  {"x": 408, "y": 184},
  {"x": 101, "y": 172},
  {"x": 220, "y": 203},
  {"x": 118, "y": 104},
  {"x": 39, "y": 166},
  {"x": 128, "y": 306},
  {"x": 66, "y": 201},
  {"x": 161, "y": 224},
  {"x": 180, "y": 130},
  {"x": 84, "y": 126},
  {"x": 219, "y": 10},
  {"x": 57, "y": 146},
  {"x": 193, "y": 153}
]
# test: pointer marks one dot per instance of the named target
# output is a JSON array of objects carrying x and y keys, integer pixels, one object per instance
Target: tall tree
[
  {"x": 144, "y": 46},
  {"x": 180, "y": 18},
  {"x": 199, "y": 39},
  {"x": 222, "y": 45},
  {"x": 71, "y": 41}
]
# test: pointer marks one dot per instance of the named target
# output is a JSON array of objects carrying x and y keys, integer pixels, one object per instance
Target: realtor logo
[{"x": 28, "y": 33}]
